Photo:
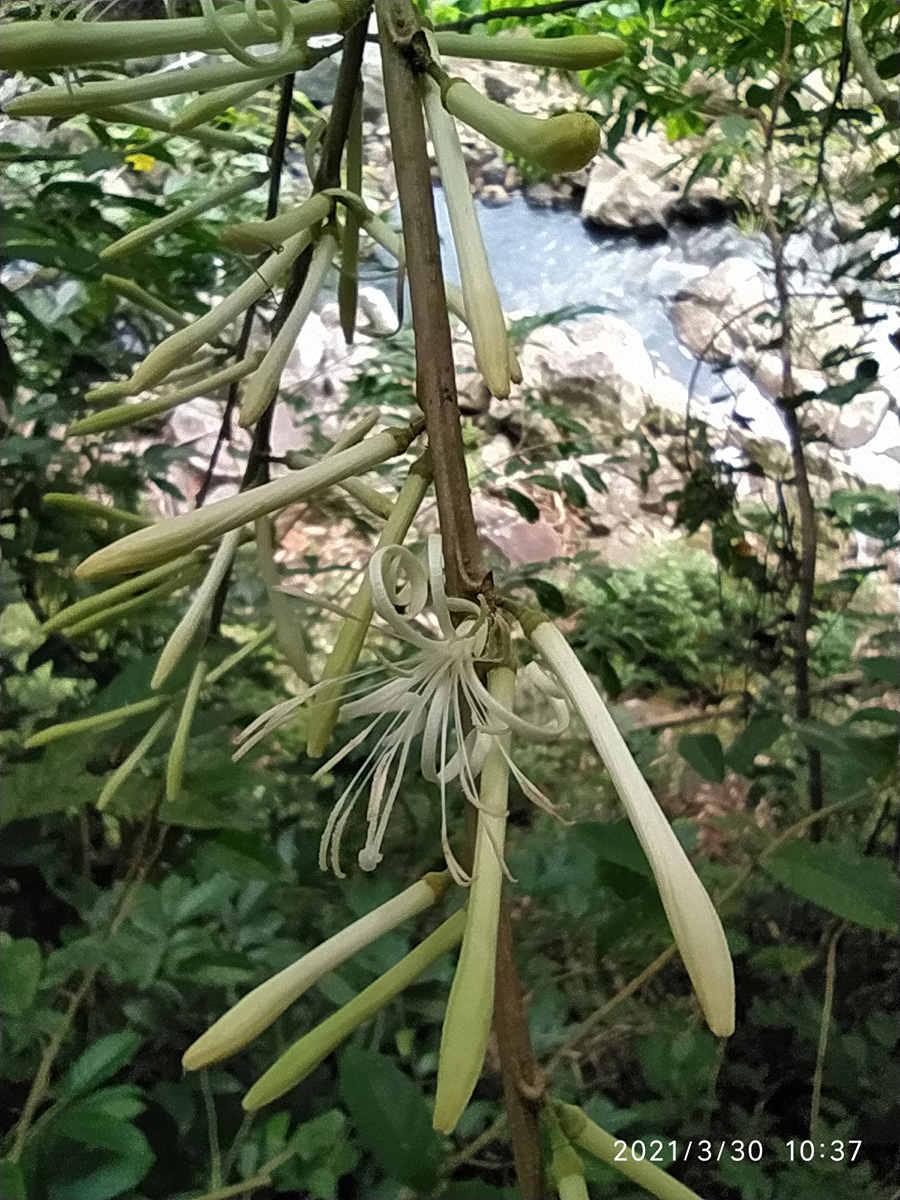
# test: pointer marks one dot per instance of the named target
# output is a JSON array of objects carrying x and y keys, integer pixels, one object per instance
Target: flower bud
[
  {"x": 470, "y": 1009},
  {"x": 694, "y": 922},
  {"x": 306, "y": 1054},
  {"x": 566, "y": 142},
  {"x": 52, "y": 44},
  {"x": 65, "y": 101},
  {"x": 260, "y": 389},
  {"x": 258, "y": 237},
  {"x": 129, "y": 414},
  {"x": 352, "y": 634},
  {"x": 179, "y": 346},
  {"x": 257, "y": 1010},
  {"x": 138, "y": 238},
  {"x": 581, "y": 52},
  {"x": 581, "y": 1130},
  {"x": 177, "y": 535}
]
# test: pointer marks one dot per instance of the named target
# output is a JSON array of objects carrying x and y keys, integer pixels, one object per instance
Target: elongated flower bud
[
  {"x": 467, "y": 1022},
  {"x": 116, "y": 613},
  {"x": 580, "y": 1129},
  {"x": 95, "y": 723},
  {"x": 94, "y": 97},
  {"x": 178, "y": 751},
  {"x": 211, "y": 104},
  {"x": 566, "y": 1168},
  {"x": 563, "y": 143},
  {"x": 129, "y": 414},
  {"x": 352, "y": 634},
  {"x": 47, "y": 45},
  {"x": 581, "y": 52},
  {"x": 379, "y": 504},
  {"x": 258, "y": 237},
  {"x": 103, "y": 394},
  {"x": 175, "y": 349},
  {"x": 126, "y": 769},
  {"x": 261, "y": 1007},
  {"x": 198, "y": 610},
  {"x": 162, "y": 225},
  {"x": 141, "y": 297},
  {"x": 76, "y": 612},
  {"x": 484, "y": 314},
  {"x": 306, "y": 1054},
  {"x": 83, "y": 506},
  {"x": 260, "y": 389},
  {"x": 147, "y": 117},
  {"x": 176, "y": 535},
  {"x": 694, "y": 922}
]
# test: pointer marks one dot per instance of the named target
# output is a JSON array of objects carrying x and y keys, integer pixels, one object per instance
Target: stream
[{"x": 548, "y": 259}]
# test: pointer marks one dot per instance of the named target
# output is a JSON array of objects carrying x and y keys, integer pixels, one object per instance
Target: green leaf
[
  {"x": 98, "y": 1063},
  {"x": 881, "y": 669},
  {"x": 392, "y": 1118},
  {"x": 839, "y": 879},
  {"x": 548, "y": 596},
  {"x": 759, "y": 735},
  {"x": 12, "y": 1181},
  {"x": 594, "y": 478},
  {"x": 523, "y": 505},
  {"x": 703, "y": 752},
  {"x": 574, "y": 492},
  {"x": 97, "y": 1157},
  {"x": 735, "y": 129},
  {"x": 20, "y": 974}
]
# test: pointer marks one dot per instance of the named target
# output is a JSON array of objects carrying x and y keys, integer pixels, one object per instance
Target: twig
[
  {"x": 787, "y": 408},
  {"x": 276, "y": 167},
  {"x": 519, "y": 10},
  {"x": 436, "y": 395},
  {"x": 885, "y": 97},
  {"x": 827, "y": 1005},
  {"x": 134, "y": 878}
]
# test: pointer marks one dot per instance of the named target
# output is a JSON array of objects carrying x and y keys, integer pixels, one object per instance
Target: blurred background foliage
[{"x": 128, "y": 930}]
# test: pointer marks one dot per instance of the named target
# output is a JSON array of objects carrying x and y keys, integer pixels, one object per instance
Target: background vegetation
[{"x": 129, "y": 929}]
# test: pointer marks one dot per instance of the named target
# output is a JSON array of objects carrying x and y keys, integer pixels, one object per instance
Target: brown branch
[
  {"x": 518, "y": 10},
  {"x": 884, "y": 96},
  {"x": 328, "y": 175},
  {"x": 276, "y": 167},
  {"x": 436, "y": 395},
  {"x": 787, "y": 408},
  {"x": 435, "y": 370}
]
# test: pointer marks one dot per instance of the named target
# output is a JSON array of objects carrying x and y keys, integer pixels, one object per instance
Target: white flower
[{"x": 434, "y": 692}]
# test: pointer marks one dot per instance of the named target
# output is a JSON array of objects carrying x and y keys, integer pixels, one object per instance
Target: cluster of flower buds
[{"x": 451, "y": 704}]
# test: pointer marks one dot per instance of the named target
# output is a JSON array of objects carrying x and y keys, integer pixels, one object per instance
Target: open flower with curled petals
[{"x": 436, "y": 692}]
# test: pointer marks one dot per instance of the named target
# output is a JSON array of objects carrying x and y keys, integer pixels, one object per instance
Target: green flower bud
[
  {"x": 470, "y": 1009},
  {"x": 259, "y": 1008},
  {"x": 49, "y": 45},
  {"x": 139, "y": 238},
  {"x": 566, "y": 142},
  {"x": 260, "y": 237},
  {"x": 582, "y": 52},
  {"x": 177, "y": 535},
  {"x": 306, "y": 1054}
]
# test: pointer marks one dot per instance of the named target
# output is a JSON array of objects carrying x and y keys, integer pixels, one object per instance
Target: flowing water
[{"x": 546, "y": 259}]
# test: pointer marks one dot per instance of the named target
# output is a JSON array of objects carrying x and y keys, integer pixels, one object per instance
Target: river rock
[
  {"x": 643, "y": 192},
  {"x": 729, "y": 316},
  {"x": 597, "y": 365}
]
